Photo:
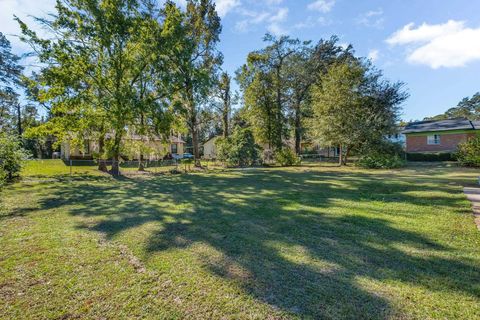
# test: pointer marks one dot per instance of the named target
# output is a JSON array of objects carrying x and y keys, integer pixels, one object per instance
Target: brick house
[{"x": 442, "y": 136}]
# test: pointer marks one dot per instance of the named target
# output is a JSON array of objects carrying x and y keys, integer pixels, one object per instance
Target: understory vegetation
[{"x": 468, "y": 153}]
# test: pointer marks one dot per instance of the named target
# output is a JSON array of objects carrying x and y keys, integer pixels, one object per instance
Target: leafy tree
[
  {"x": 467, "y": 108},
  {"x": 263, "y": 81},
  {"x": 10, "y": 73},
  {"x": 354, "y": 107},
  {"x": 304, "y": 68},
  {"x": 104, "y": 63},
  {"x": 194, "y": 61},
  {"x": 225, "y": 107},
  {"x": 239, "y": 149}
]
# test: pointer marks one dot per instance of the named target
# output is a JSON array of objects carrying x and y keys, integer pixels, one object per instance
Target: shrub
[
  {"x": 382, "y": 155},
  {"x": 469, "y": 152},
  {"x": 286, "y": 157},
  {"x": 381, "y": 161},
  {"x": 12, "y": 156},
  {"x": 431, "y": 157},
  {"x": 239, "y": 149}
]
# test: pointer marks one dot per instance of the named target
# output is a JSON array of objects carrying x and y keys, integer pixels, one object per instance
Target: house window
[
  {"x": 174, "y": 148},
  {"x": 435, "y": 139}
]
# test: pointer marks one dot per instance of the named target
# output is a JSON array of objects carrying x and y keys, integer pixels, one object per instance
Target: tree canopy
[{"x": 468, "y": 108}]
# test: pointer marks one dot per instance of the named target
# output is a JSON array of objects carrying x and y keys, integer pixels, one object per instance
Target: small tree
[
  {"x": 12, "y": 156},
  {"x": 239, "y": 149},
  {"x": 469, "y": 152}
]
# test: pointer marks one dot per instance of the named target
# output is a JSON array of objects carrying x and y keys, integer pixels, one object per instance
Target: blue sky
[{"x": 431, "y": 45}]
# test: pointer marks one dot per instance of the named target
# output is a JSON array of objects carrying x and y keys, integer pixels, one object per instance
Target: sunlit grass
[{"x": 314, "y": 241}]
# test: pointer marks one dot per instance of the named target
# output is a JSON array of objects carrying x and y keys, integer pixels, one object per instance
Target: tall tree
[
  {"x": 306, "y": 67},
  {"x": 101, "y": 55},
  {"x": 10, "y": 72},
  {"x": 353, "y": 106},
  {"x": 224, "y": 93},
  {"x": 263, "y": 77},
  {"x": 195, "y": 61},
  {"x": 467, "y": 108}
]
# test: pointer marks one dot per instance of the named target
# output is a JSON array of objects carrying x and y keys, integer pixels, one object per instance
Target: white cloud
[
  {"x": 373, "y": 18},
  {"x": 225, "y": 6},
  {"x": 323, "y": 6},
  {"x": 280, "y": 16},
  {"x": 373, "y": 55},
  {"x": 451, "y": 44},
  {"x": 272, "y": 18}
]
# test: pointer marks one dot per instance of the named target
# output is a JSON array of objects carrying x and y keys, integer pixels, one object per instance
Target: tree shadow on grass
[{"x": 278, "y": 229}]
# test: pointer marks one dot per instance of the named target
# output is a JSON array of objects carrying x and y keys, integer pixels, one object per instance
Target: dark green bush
[
  {"x": 286, "y": 157},
  {"x": 431, "y": 157},
  {"x": 239, "y": 149},
  {"x": 469, "y": 152},
  {"x": 381, "y": 161},
  {"x": 382, "y": 155},
  {"x": 12, "y": 156}
]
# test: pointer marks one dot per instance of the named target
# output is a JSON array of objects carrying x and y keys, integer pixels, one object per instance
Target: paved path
[{"x": 473, "y": 194}]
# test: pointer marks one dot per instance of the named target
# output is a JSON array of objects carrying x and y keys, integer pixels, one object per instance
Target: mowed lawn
[{"x": 313, "y": 242}]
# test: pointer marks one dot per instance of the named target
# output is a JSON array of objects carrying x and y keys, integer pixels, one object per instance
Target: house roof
[
  {"x": 212, "y": 138},
  {"x": 441, "y": 125}
]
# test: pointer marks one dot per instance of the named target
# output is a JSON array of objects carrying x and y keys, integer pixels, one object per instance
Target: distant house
[
  {"x": 398, "y": 137},
  {"x": 442, "y": 136},
  {"x": 209, "y": 148},
  {"x": 159, "y": 147}
]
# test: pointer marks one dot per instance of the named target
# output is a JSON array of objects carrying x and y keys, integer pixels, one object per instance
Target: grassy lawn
[{"x": 310, "y": 242}]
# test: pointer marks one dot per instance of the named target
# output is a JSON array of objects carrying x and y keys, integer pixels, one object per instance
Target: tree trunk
[
  {"x": 141, "y": 166},
  {"x": 116, "y": 155},
  {"x": 225, "y": 122},
  {"x": 340, "y": 156},
  {"x": 298, "y": 130},
  {"x": 279, "y": 119},
  {"x": 102, "y": 166},
  {"x": 345, "y": 159},
  {"x": 19, "y": 119},
  {"x": 196, "y": 149}
]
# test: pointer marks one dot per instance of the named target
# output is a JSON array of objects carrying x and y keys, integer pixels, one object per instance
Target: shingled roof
[{"x": 442, "y": 125}]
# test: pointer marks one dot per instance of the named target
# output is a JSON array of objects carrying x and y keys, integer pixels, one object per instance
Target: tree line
[{"x": 109, "y": 68}]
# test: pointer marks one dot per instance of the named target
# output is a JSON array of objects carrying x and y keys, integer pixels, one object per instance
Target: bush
[
  {"x": 286, "y": 157},
  {"x": 431, "y": 157},
  {"x": 469, "y": 152},
  {"x": 239, "y": 149},
  {"x": 382, "y": 155},
  {"x": 381, "y": 161},
  {"x": 12, "y": 156}
]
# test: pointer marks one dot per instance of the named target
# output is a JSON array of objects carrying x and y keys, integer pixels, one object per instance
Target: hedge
[{"x": 431, "y": 157}]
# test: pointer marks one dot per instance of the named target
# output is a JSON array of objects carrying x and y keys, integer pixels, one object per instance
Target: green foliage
[
  {"x": 194, "y": 60},
  {"x": 381, "y": 161},
  {"x": 239, "y": 149},
  {"x": 287, "y": 157},
  {"x": 382, "y": 155},
  {"x": 431, "y": 157},
  {"x": 468, "y": 153},
  {"x": 10, "y": 73},
  {"x": 12, "y": 156},
  {"x": 467, "y": 108},
  {"x": 354, "y": 107},
  {"x": 105, "y": 69}
]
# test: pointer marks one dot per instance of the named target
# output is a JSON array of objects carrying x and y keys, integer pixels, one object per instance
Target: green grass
[{"x": 306, "y": 242}]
